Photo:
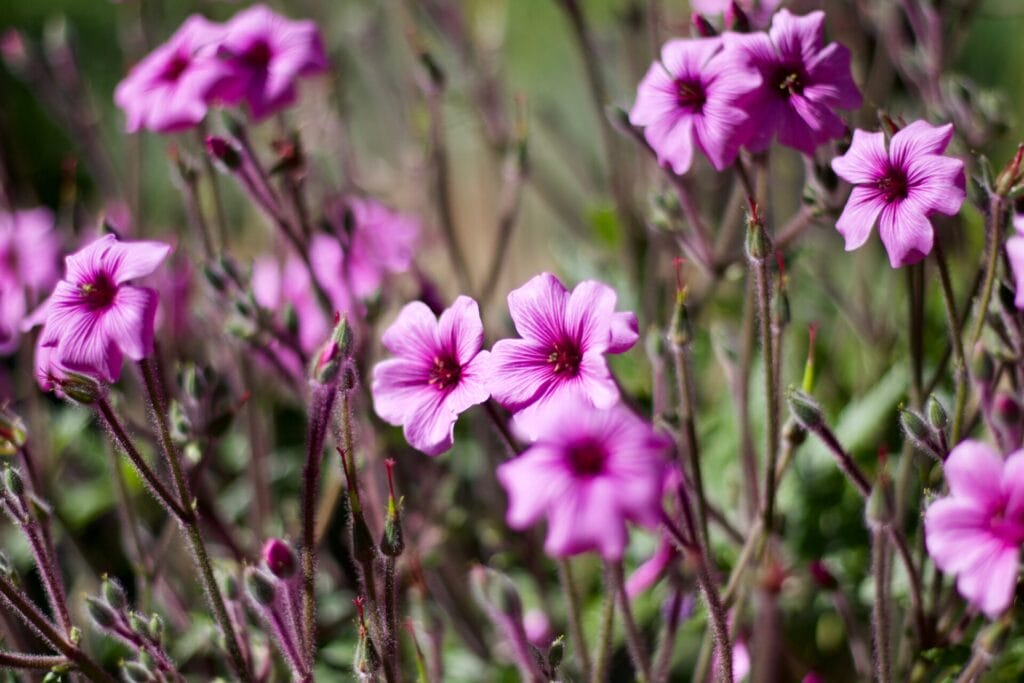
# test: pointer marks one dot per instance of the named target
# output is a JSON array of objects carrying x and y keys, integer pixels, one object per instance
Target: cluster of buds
[
  {"x": 273, "y": 592},
  {"x": 928, "y": 434},
  {"x": 144, "y": 636}
]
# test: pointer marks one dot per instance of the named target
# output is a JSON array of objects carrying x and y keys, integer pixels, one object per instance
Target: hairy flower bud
[
  {"x": 80, "y": 388},
  {"x": 937, "y": 414},
  {"x": 224, "y": 152},
  {"x": 758, "y": 244},
  {"x": 113, "y": 593},
  {"x": 556, "y": 652},
  {"x": 805, "y": 409},
  {"x": 920, "y": 432},
  {"x": 701, "y": 26},
  {"x": 260, "y": 586},
  {"x": 13, "y": 483},
  {"x": 279, "y": 558},
  {"x": 156, "y": 627},
  {"x": 100, "y": 612},
  {"x": 136, "y": 672},
  {"x": 879, "y": 510}
]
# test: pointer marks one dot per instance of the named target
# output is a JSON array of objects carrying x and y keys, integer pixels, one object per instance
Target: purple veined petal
[
  {"x": 625, "y": 331},
  {"x": 937, "y": 182},
  {"x": 655, "y": 98},
  {"x": 859, "y": 216},
  {"x": 918, "y": 139},
  {"x": 830, "y": 79},
  {"x": 865, "y": 162},
  {"x": 906, "y": 232},
  {"x": 953, "y": 526},
  {"x": 807, "y": 124},
  {"x": 127, "y": 261},
  {"x": 588, "y": 315},
  {"x": 538, "y": 308},
  {"x": 715, "y": 133},
  {"x": 520, "y": 371},
  {"x": 129, "y": 321},
  {"x": 587, "y": 519},
  {"x": 472, "y": 388},
  {"x": 688, "y": 56},
  {"x": 595, "y": 381},
  {"x": 973, "y": 470},
  {"x": 399, "y": 388},
  {"x": 797, "y": 38},
  {"x": 460, "y": 330},
  {"x": 989, "y": 584},
  {"x": 534, "y": 418},
  {"x": 83, "y": 347},
  {"x": 1015, "y": 254},
  {"x": 672, "y": 142},
  {"x": 532, "y": 480},
  {"x": 430, "y": 428},
  {"x": 1012, "y": 485},
  {"x": 82, "y": 265},
  {"x": 413, "y": 334}
]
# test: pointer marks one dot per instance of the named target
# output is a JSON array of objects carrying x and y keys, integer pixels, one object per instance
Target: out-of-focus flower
[
  {"x": 976, "y": 532},
  {"x": 690, "y": 99},
  {"x": 438, "y": 373},
  {"x": 170, "y": 89},
  {"x": 758, "y": 11},
  {"x": 95, "y": 317},
  {"x": 589, "y": 472},
  {"x": 537, "y": 627},
  {"x": 276, "y": 287},
  {"x": 651, "y": 571},
  {"x": 267, "y": 53},
  {"x": 560, "y": 358},
  {"x": 899, "y": 188},
  {"x": 28, "y": 267},
  {"x": 1015, "y": 254},
  {"x": 378, "y": 242},
  {"x": 803, "y": 81}
]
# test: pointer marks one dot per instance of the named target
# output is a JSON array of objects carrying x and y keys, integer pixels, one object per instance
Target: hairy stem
[
  {"x": 634, "y": 641},
  {"x": 959, "y": 358},
  {"x": 572, "y": 598},
  {"x": 995, "y": 240}
]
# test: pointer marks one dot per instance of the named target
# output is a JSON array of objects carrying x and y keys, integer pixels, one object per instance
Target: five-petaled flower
[
  {"x": 899, "y": 188},
  {"x": 803, "y": 81},
  {"x": 690, "y": 99},
  {"x": 560, "y": 358},
  {"x": 589, "y": 472},
  {"x": 95, "y": 317},
  {"x": 977, "y": 531},
  {"x": 439, "y": 372}
]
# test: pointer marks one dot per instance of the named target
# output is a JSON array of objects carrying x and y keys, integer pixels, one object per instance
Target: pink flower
[
  {"x": 169, "y": 90},
  {"x": 267, "y": 53},
  {"x": 976, "y": 532},
  {"x": 803, "y": 81},
  {"x": 274, "y": 287},
  {"x": 899, "y": 188},
  {"x": 28, "y": 268},
  {"x": 560, "y": 358},
  {"x": 379, "y": 242},
  {"x": 439, "y": 372},
  {"x": 758, "y": 11},
  {"x": 589, "y": 472},
  {"x": 95, "y": 317},
  {"x": 690, "y": 98},
  {"x": 1015, "y": 254}
]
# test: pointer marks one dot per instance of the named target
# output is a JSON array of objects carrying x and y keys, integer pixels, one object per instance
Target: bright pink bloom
[
  {"x": 899, "y": 188},
  {"x": 690, "y": 99},
  {"x": 560, "y": 358},
  {"x": 758, "y": 11},
  {"x": 439, "y": 372},
  {"x": 28, "y": 268},
  {"x": 379, "y": 242},
  {"x": 589, "y": 472},
  {"x": 267, "y": 53},
  {"x": 651, "y": 571},
  {"x": 169, "y": 90},
  {"x": 976, "y": 532},
  {"x": 1015, "y": 254},
  {"x": 803, "y": 81},
  {"x": 95, "y": 317}
]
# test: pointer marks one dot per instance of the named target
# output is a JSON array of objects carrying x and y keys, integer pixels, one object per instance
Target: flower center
[
  {"x": 99, "y": 293},
  {"x": 175, "y": 68},
  {"x": 445, "y": 373},
  {"x": 587, "y": 459},
  {"x": 258, "y": 55},
  {"x": 690, "y": 95},
  {"x": 565, "y": 358},
  {"x": 789, "y": 81},
  {"x": 1009, "y": 530},
  {"x": 893, "y": 184}
]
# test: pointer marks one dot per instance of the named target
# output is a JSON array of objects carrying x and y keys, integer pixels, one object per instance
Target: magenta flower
[
  {"x": 560, "y": 358},
  {"x": 28, "y": 268},
  {"x": 589, "y": 472},
  {"x": 439, "y": 372},
  {"x": 170, "y": 89},
  {"x": 380, "y": 242},
  {"x": 1015, "y": 255},
  {"x": 899, "y": 188},
  {"x": 976, "y": 532},
  {"x": 803, "y": 81},
  {"x": 95, "y": 317},
  {"x": 691, "y": 99},
  {"x": 267, "y": 53},
  {"x": 274, "y": 287}
]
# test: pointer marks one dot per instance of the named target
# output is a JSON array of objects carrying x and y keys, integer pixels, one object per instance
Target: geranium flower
[
  {"x": 899, "y": 188},
  {"x": 267, "y": 53},
  {"x": 170, "y": 89},
  {"x": 439, "y": 372},
  {"x": 379, "y": 242},
  {"x": 803, "y": 81},
  {"x": 589, "y": 472},
  {"x": 95, "y": 317},
  {"x": 560, "y": 358},
  {"x": 690, "y": 99},
  {"x": 976, "y": 532}
]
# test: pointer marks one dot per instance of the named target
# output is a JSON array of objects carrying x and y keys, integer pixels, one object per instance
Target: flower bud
[
  {"x": 12, "y": 432},
  {"x": 223, "y": 151},
  {"x": 822, "y": 576},
  {"x": 920, "y": 433},
  {"x": 937, "y": 414},
  {"x": 392, "y": 542},
  {"x": 805, "y": 410},
  {"x": 1008, "y": 419},
  {"x": 113, "y": 593},
  {"x": 701, "y": 26},
  {"x": 736, "y": 19},
  {"x": 556, "y": 652},
  {"x": 260, "y": 586},
  {"x": 138, "y": 623},
  {"x": 680, "y": 331},
  {"x": 100, "y": 612},
  {"x": 332, "y": 356},
  {"x": 879, "y": 510},
  {"x": 13, "y": 483},
  {"x": 80, "y": 388},
  {"x": 758, "y": 244},
  {"x": 1011, "y": 174},
  {"x": 136, "y": 672},
  {"x": 279, "y": 558},
  {"x": 156, "y": 628}
]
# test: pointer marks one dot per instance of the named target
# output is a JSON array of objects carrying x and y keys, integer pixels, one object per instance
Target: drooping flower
[
  {"x": 589, "y": 472},
  {"x": 976, "y": 532},
  {"x": 95, "y": 316},
  {"x": 378, "y": 242},
  {"x": 899, "y": 188},
  {"x": 267, "y": 53},
  {"x": 170, "y": 89},
  {"x": 759, "y": 12},
  {"x": 803, "y": 82},
  {"x": 690, "y": 99},
  {"x": 560, "y": 358},
  {"x": 438, "y": 373},
  {"x": 28, "y": 267}
]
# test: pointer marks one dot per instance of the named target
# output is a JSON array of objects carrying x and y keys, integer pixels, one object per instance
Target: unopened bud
[
  {"x": 1011, "y": 174},
  {"x": 920, "y": 433},
  {"x": 392, "y": 542},
  {"x": 680, "y": 331},
  {"x": 156, "y": 628},
  {"x": 260, "y": 586},
  {"x": 137, "y": 622},
  {"x": 224, "y": 152},
  {"x": 556, "y": 652},
  {"x": 822, "y": 576},
  {"x": 100, "y": 612},
  {"x": 736, "y": 19},
  {"x": 13, "y": 483},
  {"x": 805, "y": 409},
  {"x": 758, "y": 244},
  {"x": 136, "y": 672},
  {"x": 80, "y": 388},
  {"x": 878, "y": 512},
  {"x": 701, "y": 26},
  {"x": 12, "y": 432},
  {"x": 279, "y": 558},
  {"x": 113, "y": 593},
  {"x": 937, "y": 414}
]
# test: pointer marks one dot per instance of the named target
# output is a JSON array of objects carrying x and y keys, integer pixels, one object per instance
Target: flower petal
[
  {"x": 413, "y": 335},
  {"x": 625, "y": 331},
  {"x": 919, "y": 139},
  {"x": 973, "y": 471},
  {"x": 538, "y": 308},
  {"x": 519, "y": 372},
  {"x": 129, "y": 320},
  {"x": 906, "y": 232},
  {"x": 859, "y": 216},
  {"x": 460, "y": 331},
  {"x": 865, "y": 162}
]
